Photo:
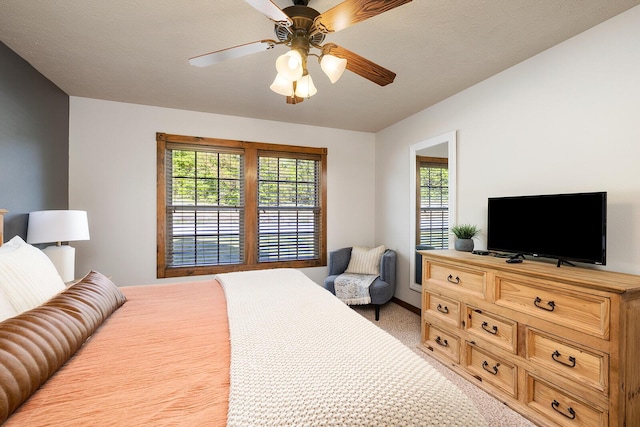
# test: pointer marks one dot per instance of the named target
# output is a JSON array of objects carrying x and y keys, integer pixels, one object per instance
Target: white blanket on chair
[{"x": 353, "y": 289}]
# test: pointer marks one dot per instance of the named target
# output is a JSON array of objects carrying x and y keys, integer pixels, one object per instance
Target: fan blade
[
  {"x": 351, "y": 12},
  {"x": 361, "y": 66},
  {"x": 231, "y": 52},
  {"x": 271, "y": 11}
]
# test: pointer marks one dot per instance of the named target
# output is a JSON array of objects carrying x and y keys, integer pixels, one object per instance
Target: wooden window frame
[{"x": 251, "y": 152}]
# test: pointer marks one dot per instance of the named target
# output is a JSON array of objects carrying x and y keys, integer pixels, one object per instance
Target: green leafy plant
[{"x": 465, "y": 231}]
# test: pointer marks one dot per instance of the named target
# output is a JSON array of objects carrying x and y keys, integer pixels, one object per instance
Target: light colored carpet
[{"x": 405, "y": 326}]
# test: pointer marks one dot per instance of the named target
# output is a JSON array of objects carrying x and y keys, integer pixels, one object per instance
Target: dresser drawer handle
[
  {"x": 492, "y": 331},
  {"x": 572, "y": 413},
  {"x": 572, "y": 360},
  {"x": 493, "y": 370},
  {"x": 455, "y": 281},
  {"x": 550, "y": 304},
  {"x": 442, "y": 342},
  {"x": 444, "y": 309}
]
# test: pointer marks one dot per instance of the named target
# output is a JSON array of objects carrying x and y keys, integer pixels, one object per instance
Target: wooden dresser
[{"x": 559, "y": 345}]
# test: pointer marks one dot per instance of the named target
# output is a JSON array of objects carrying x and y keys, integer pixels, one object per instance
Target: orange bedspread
[{"x": 161, "y": 359}]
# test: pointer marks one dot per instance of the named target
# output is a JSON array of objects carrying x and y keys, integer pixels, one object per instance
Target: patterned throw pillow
[{"x": 365, "y": 260}]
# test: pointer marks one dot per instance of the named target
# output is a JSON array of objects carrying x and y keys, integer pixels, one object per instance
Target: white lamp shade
[
  {"x": 289, "y": 65},
  {"x": 333, "y": 66},
  {"x": 57, "y": 226},
  {"x": 305, "y": 87},
  {"x": 282, "y": 86}
]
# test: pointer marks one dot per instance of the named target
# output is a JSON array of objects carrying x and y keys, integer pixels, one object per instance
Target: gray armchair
[{"x": 381, "y": 290}]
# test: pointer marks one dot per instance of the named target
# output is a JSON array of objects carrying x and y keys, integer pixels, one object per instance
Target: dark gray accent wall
[{"x": 34, "y": 143}]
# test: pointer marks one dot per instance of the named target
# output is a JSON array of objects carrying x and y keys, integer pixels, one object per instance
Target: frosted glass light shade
[
  {"x": 305, "y": 87},
  {"x": 282, "y": 86},
  {"x": 333, "y": 66},
  {"x": 57, "y": 226},
  {"x": 289, "y": 65}
]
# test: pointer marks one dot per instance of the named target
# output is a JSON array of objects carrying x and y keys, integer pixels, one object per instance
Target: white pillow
[
  {"x": 365, "y": 260},
  {"x": 6, "y": 309},
  {"x": 28, "y": 278}
]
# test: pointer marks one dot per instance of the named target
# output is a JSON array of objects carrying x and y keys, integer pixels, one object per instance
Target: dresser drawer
[
  {"x": 444, "y": 343},
  {"x": 495, "y": 329},
  {"x": 442, "y": 308},
  {"x": 581, "y": 312},
  {"x": 492, "y": 369},
  {"x": 460, "y": 279},
  {"x": 583, "y": 366},
  {"x": 561, "y": 407}
]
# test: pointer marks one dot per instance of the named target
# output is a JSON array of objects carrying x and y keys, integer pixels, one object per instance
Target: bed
[{"x": 266, "y": 347}]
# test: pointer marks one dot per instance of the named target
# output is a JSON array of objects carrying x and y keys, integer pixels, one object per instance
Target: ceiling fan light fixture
[
  {"x": 289, "y": 65},
  {"x": 333, "y": 66},
  {"x": 305, "y": 87},
  {"x": 282, "y": 86},
  {"x": 301, "y": 28}
]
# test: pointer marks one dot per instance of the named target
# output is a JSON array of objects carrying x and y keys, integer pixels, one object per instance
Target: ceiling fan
[{"x": 302, "y": 29}]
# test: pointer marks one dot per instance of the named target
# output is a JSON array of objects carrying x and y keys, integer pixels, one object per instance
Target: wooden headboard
[{"x": 2, "y": 212}]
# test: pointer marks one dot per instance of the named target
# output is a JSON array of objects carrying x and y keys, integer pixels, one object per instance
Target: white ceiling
[{"x": 137, "y": 51}]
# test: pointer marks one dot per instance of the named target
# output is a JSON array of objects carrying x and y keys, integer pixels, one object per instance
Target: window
[
  {"x": 227, "y": 205},
  {"x": 432, "y": 202}
]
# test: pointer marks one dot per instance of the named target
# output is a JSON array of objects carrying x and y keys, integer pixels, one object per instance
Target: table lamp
[{"x": 59, "y": 226}]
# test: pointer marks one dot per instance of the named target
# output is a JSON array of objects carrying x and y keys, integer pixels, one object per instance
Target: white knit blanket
[
  {"x": 353, "y": 289},
  {"x": 300, "y": 357}
]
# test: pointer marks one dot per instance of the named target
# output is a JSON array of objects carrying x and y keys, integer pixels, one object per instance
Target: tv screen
[{"x": 568, "y": 227}]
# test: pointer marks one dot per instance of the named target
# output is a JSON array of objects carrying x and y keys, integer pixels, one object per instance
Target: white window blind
[
  {"x": 433, "y": 218},
  {"x": 205, "y": 207},
  {"x": 289, "y": 218}
]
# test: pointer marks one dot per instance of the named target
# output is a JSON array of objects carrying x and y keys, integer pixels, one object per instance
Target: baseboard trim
[{"x": 406, "y": 305}]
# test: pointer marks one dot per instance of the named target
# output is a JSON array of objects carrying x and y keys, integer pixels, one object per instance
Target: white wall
[
  {"x": 112, "y": 175},
  {"x": 563, "y": 121},
  {"x": 566, "y": 120}
]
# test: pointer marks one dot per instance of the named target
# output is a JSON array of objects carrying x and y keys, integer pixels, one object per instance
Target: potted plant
[{"x": 464, "y": 236}]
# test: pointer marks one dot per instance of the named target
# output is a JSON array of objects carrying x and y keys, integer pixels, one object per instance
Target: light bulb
[
  {"x": 289, "y": 65},
  {"x": 333, "y": 66},
  {"x": 305, "y": 87},
  {"x": 293, "y": 62}
]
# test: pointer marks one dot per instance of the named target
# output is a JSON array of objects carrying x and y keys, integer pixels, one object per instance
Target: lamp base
[{"x": 63, "y": 258}]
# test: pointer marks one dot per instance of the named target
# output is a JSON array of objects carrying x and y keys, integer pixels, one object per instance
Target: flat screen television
[{"x": 566, "y": 227}]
